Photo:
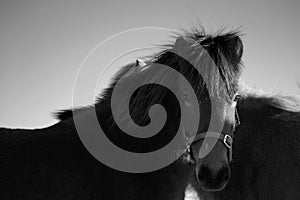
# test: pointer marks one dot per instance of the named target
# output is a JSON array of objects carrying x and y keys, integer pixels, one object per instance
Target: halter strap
[{"x": 225, "y": 138}]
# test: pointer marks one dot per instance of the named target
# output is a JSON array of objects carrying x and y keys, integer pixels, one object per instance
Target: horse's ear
[
  {"x": 139, "y": 63},
  {"x": 239, "y": 47},
  {"x": 183, "y": 47}
]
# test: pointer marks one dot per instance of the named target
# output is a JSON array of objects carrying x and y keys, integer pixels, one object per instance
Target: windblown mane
[
  {"x": 259, "y": 98},
  {"x": 224, "y": 48}
]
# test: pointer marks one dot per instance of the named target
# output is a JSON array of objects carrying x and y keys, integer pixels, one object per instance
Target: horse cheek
[{"x": 189, "y": 118}]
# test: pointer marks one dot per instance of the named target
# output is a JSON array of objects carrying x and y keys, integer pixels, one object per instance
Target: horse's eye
[
  {"x": 186, "y": 97},
  {"x": 236, "y": 97}
]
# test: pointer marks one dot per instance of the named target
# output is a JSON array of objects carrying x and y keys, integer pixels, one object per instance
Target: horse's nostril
[
  {"x": 204, "y": 174},
  {"x": 223, "y": 174}
]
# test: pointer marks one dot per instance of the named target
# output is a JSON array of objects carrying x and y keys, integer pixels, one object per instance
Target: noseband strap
[{"x": 225, "y": 138}]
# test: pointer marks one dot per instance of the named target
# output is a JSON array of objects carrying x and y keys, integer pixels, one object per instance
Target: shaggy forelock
[
  {"x": 225, "y": 52},
  {"x": 224, "y": 49}
]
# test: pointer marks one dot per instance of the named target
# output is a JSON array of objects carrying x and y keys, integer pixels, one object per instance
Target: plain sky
[{"x": 42, "y": 44}]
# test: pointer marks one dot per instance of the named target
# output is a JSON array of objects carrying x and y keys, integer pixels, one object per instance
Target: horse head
[
  {"x": 196, "y": 82},
  {"x": 217, "y": 97}
]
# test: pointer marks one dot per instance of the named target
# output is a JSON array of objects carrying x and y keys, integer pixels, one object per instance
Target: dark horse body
[
  {"x": 266, "y": 150},
  {"x": 52, "y": 163}
]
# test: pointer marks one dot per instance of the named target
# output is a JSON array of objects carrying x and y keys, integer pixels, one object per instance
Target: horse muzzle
[{"x": 211, "y": 179}]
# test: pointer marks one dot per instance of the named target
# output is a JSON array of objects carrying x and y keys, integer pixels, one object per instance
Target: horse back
[{"x": 49, "y": 163}]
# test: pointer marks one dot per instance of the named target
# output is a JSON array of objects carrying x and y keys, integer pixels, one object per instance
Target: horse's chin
[{"x": 213, "y": 189}]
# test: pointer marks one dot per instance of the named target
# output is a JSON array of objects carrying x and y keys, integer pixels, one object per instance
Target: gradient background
[{"x": 42, "y": 44}]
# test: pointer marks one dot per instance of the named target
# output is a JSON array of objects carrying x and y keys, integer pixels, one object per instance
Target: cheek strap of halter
[{"x": 225, "y": 138}]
